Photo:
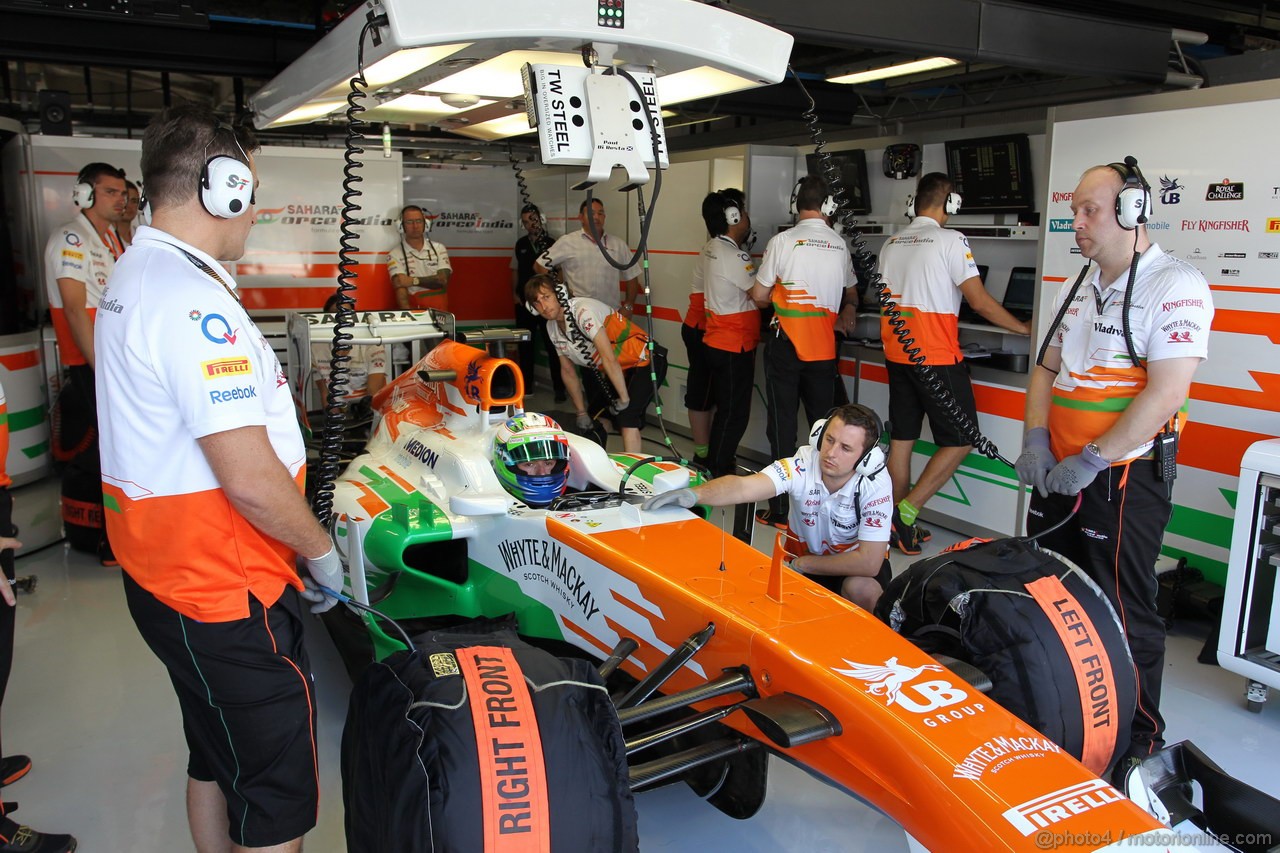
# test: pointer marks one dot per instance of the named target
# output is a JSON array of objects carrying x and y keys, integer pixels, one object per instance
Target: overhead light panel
[
  {"x": 932, "y": 63},
  {"x": 417, "y": 107},
  {"x": 701, "y": 82},
  {"x": 403, "y": 63}
]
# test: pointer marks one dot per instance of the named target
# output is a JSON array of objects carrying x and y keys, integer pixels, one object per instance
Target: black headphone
[
  {"x": 1133, "y": 202},
  {"x": 226, "y": 184},
  {"x": 871, "y": 462}
]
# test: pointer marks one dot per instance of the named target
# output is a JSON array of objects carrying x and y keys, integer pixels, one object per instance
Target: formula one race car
[{"x": 700, "y": 622}]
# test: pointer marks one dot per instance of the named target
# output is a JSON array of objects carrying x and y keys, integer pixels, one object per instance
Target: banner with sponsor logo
[{"x": 1216, "y": 200}]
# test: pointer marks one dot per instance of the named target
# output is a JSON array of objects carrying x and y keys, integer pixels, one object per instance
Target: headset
[
  {"x": 426, "y": 227},
  {"x": 732, "y": 215},
  {"x": 951, "y": 206},
  {"x": 82, "y": 192},
  {"x": 873, "y": 460},
  {"x": 829, "y": 206},
  {"x": 226, "y": 184},
  {"x": 1133, "y": 202},
  {"x": 560, "y": 289},
  {"x": 528, "y": 208}
]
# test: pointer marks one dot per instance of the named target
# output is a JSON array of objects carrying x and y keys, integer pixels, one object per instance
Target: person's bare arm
[
  {"x": 762, "y": 295},
  {"x": 573, "y": 386},
  {"x": 261, "y": 490},
  {"x": 864, "y": 561},
  {"x": 982, "y": 302},
  {"x": 77, "y": 314},
  {"x": 1040, "y": 390},
  {"x": 735, "y": 489}
]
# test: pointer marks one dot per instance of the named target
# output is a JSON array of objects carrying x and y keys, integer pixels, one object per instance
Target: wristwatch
[{"x": 1092, "y": 449}]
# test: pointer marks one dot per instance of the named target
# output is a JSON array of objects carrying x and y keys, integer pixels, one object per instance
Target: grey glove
[
  {"x": 1072, "y": 474},
  {"x": 618, "y": 406},
  {"x": 583, "y": 420},
  {"x": 680, "y": 497},
  {"x": 324, "y": 571},
  {"x": 1036, "y": 460}
]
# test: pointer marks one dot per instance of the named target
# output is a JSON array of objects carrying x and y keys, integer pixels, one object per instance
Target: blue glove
[
  {"x": 326, "y": 571},
  {"x": 679, "y": 497},
  {"x": 1036, "y": 461},
  {"x": 1074, "y": 473}
]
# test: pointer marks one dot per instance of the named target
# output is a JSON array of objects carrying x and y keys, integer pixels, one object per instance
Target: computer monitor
[
  {"x": 967, "y": 314},
  {"x": 1020, "y": 294},
  {"x": 982, "y": 272}
]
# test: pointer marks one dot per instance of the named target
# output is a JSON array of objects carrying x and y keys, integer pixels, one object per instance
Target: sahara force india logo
[{"x": 899, "y": 685}]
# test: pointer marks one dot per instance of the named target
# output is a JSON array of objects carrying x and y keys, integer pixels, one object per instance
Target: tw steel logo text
[{"x": 900, "y": 685}]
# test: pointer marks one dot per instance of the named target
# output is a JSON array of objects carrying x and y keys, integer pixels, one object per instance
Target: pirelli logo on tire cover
[{"x": 513, "y": 778}]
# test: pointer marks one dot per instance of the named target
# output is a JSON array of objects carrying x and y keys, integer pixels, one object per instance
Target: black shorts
[
  {"x": 639, "y": 390},
  {"x": 248, "y": 710},
  {"x": 834, "y": 582},
  {"x": 697, "y": 395},
  {"x": 910, "y": 400}
]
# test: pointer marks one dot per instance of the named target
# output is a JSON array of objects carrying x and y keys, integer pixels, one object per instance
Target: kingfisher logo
[
  {"x": 1060, "y": 225},
  {"x": 1062, "y": 198},
  {"x": 216, "y": 329},
  {"x": 221, "y": 367},
  {"x": 1062, "y": 804},
  {"x": 1226, "y": 191}
]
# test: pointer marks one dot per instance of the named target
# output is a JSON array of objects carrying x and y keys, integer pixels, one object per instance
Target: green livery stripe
[
  {"x": 800, "y": 312},
  {"x": 36, "y": 450},
  {"x": 1214, "y": 571},
  {"x": 1230, "y": 496},
  {"x": 110, "y": 502},
  {"x": 1201, "y": 526},
  {"x": 25, "y": 419},
  {"x": 1112, "y": 404}
]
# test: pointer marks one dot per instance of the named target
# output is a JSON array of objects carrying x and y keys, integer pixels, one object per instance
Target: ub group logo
[{"x": 1170, "y": 190}]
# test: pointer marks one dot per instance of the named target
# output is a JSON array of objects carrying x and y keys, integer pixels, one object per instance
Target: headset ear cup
[
  {"x": 528, "y": 306},
  {"x": 732, "y": 216},
  {"x": 1133, "y": 206},
  {"x": 953, "y": 204},
  {"x": 226, "y": 187},
  {"x": 82, "y": 195},
  {"x": 911, "y": 207},
  {"x": 829, "y": 206},
  {"x": 817, "y": 432}
]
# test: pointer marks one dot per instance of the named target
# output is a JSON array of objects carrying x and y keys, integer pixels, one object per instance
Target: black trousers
[
  {"x": 788, "y": 382},
  {"x": 6, "y": 612},
  {"x": 537, "y": 338},
  {"x": 732, "y": 377},
  {"x": 1115, "y": 539}
]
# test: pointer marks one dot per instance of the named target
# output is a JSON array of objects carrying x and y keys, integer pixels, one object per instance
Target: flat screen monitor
[
  {"x": 992, "y": 174},
  {"x": 967, "y": 314},
  {"x": 1020, "y": 295},
  {"x": 852, "y": 167}
]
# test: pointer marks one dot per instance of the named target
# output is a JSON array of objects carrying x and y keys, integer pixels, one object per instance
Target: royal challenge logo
[{"x": 1227, "y": 190}]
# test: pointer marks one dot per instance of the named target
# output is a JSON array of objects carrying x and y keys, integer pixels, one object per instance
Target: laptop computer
[
  {"x": 1020, "y": 294},
  {"x": 967, "y": 314}
]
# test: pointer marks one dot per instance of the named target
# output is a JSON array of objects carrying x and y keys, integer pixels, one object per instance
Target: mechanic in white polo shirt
[{"x": 577, "y": 257}]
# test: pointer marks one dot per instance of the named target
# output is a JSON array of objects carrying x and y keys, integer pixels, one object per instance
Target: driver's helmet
[{"x": 532, "y": 438}]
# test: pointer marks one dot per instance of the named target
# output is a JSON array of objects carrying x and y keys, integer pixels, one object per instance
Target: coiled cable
[{"x": 865, "y": 263}]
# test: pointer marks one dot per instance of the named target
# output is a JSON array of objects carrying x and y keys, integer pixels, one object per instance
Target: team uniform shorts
[
  {"x": 910, "y": 401},
  {"x": 248, "y": 710}
]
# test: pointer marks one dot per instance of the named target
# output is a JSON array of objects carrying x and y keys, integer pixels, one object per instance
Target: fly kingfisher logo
[
  {"x": 1170, "y": 190},
  {"x": 1227, "y": 190}
]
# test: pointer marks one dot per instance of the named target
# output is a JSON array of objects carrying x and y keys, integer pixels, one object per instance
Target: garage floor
[{"x": 95, "y": 711}]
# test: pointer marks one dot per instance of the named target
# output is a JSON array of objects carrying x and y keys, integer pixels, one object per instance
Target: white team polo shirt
[
  {"x": 403, "y": 259},
  {"x": 77, "y": 252},
  {"x": 586, "y": 271},
  {"x": 179, "y": 359},
  {"x": 924, "y": 265},
  {"x": 810, "y": 266},
  {"x": 831, "y": 523}
]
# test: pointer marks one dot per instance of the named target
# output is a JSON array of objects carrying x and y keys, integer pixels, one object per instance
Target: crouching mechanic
[
  {"x": 612, "y": 350},
  {"x": 531, "y": 458},
  {"x": 840, "y": 507},
  {"x": 202, "y": 468}
]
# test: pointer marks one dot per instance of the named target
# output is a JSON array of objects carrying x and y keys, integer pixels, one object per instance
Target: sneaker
[
  {"x": 905, "y": 537},
  {"x": 24, "y": 839},
  {"x": 13, "y": 768},
  {"x": 924, "y": 533},
  {"x": 771, "y": 518}
]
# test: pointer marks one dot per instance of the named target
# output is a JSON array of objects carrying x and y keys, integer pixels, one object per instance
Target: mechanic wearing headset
[
  {"x": 808, "y": 276},
  {"x": 535, "y": 241},
  {"x": 419, "y": 266},
  {"x": 927, "y": 268},
  {"x": 609, "y": 347},
  {"x": 733, "y": 324},
  {"x": 1101, "y": 416},
  {"x": 840, "y": 502},
  {"x": 78, "y": 260},
  {"x": 576, "y": 256},
  {"x": 202, "y": 472}
]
